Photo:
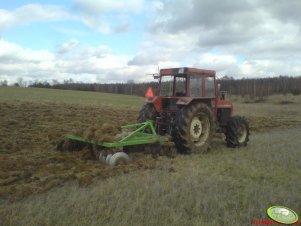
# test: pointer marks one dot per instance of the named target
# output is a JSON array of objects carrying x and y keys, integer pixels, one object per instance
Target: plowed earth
[
  {"x": 29, "y": 135},
  {"x": 30, "y": 132}
]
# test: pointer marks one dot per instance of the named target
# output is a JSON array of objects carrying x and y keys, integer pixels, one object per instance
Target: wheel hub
[
  {"x": 242, "y": 133},
  {"x": 195, "y": 128}
]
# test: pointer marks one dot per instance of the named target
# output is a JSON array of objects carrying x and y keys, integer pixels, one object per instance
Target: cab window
[
  {"x": 180, "y": 89},
  {"x": 195, "y": 86},
  {"x": 209, "y": 87}
]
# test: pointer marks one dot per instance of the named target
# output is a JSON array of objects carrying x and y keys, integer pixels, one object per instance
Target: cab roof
[{"x": 187, "y": 70}]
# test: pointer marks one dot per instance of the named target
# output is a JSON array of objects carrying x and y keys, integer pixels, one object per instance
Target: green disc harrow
[{"x": 143, "y": 133}]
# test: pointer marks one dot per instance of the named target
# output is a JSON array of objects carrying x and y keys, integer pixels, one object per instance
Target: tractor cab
[
  {"x": 187, "y": 82},
  {"x": 181, "y": 86}
]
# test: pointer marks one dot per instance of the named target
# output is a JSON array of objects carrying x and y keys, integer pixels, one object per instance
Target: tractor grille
[{"x": 169, "y": 104}]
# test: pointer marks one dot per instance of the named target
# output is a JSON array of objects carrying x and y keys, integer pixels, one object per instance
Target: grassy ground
[
  {"x": 67, "y": 97},
  {"x": 224, "y": 187}
]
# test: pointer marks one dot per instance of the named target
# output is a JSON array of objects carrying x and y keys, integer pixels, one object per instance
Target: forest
[{"x": 251, "y": 88}]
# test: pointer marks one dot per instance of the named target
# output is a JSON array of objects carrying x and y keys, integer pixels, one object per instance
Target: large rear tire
[
  {"x": 148, "y": 112},
  {"x": 193, "y": 128},
  {"x": 237, "y": 132}
]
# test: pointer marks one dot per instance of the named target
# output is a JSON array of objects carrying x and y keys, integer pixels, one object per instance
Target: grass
[
  {"x": 223, "y": 187},
  {"x": 68, "y": 97}
]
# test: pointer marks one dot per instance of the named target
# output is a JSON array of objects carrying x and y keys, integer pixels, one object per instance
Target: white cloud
[
  {"x": 96, "y": 23},
  {"x": 157, "y": 6},
  {"x": 77, "y": 61},
  {"x": 219, "y": 62},
  {"x": 104, "y": 6},
  {"x": 67, "y": 46},
  {"x": 100, "y": 16},
  {"x": 31, "y": 13},
  {"x": 11, "y": 53},
  {"x": 240, "y": 38},
  {"x": 106, "y": 17}
]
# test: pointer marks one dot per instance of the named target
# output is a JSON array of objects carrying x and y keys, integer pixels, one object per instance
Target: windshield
[{"x": 167, "y": 82}]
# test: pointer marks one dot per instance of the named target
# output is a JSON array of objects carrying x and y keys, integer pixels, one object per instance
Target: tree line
[
  {"x": 253, "y": 88},
  {"x": 261, "y": 87}
]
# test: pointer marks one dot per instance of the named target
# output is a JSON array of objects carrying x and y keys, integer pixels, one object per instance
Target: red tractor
[{"x": 190, "y": 108}]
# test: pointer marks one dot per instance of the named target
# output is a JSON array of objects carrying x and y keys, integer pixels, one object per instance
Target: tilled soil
[{"x": 30, "y": 132}]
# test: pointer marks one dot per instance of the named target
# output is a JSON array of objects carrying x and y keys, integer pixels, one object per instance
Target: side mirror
[
  {"x": 156, "y": 76},
  {"x": 218, "y": 87}
]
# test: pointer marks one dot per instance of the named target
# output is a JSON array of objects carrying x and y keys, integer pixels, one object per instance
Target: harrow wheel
[
  {"x": 148, "y": 112},
  {"x": 119, "y": 158}
]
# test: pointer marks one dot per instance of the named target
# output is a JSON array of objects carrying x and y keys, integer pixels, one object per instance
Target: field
[{"x": 41, "y": 186}]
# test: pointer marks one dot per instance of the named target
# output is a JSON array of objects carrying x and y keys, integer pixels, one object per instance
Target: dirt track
[{"x": 30, "y": 132}]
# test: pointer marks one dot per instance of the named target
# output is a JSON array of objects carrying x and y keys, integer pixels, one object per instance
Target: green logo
[{"x": 282, "y": 214}]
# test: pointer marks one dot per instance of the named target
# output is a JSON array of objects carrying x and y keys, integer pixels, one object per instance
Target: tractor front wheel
[
  {"x": 237, "y": 132},
  {"x": 193, "y": 128},
  {"x": 148, "y": 112}
]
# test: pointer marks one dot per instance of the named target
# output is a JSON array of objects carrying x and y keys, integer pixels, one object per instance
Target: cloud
[
  {"x": 67, "y": 46},
  {"x": 100, "y": 16},
  {"x": 218, "y": 62},
  {"x": 184, "y": 15},
  {"x": 242, "y": 38},
  {"x": 106, "y": 17},
  {"x": 143, "y": 59},
  {"x": 31, "y": 13},
  {"x": 284, "y": 11},
  {"x": 122, "y": 27},
  {"x": 104, "y": 6},
  {"x": 74, "y": 60},
  {"x": 225, "y": 23},
  {"x": 249, "y": 38},
  {"x": 12, "y": 53}
]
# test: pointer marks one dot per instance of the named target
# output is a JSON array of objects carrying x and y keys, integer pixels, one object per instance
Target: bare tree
[{"x": 21, "y": 82}]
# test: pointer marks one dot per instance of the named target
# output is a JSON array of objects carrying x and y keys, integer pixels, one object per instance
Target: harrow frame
[{"x": 144, "y": 133}]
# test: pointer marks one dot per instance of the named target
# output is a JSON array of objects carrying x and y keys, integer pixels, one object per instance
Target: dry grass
[
  {"x": 224, "y": 187},
  {"x": 272, "y": 113}
]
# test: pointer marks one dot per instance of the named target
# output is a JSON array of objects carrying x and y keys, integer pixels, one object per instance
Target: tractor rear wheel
[
  {"x": 193, "y": 128},
  {"x": 148, "y": 112},
  {"x": 237, "y": 132}
]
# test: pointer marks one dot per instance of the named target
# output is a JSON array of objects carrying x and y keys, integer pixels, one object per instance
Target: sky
[{"x": 108, "y": 41}]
